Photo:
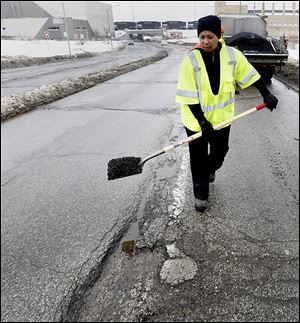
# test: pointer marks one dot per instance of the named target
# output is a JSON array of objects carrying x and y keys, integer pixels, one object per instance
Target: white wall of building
[
  {"x": 104, "y": 14},
  {"x": 98, "y": 14},
  {"x": 26, "y": 28}
]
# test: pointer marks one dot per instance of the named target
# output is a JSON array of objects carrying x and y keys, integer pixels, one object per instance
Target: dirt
[{"x": 289, "y": 73}]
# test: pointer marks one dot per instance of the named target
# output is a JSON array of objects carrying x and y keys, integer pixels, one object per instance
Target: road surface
[
  {"x": 21, "y": 79},
  {"x": 64, "y": 224}
]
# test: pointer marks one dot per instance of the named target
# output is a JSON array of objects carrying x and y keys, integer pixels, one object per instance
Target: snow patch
[{"x": 48, "y": 48}]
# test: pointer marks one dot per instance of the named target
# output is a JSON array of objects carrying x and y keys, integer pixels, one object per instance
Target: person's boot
[
  {"x": 200, "y": 205},
  {"x": 212, "y": 177}
]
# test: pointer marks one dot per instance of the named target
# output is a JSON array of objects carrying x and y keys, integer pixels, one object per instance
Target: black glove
[
  {"x": 271, "y": 101},
  {"x": 207, "y": 129}
]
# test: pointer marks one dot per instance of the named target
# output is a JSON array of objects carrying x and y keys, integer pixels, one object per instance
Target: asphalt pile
[{"x": 122, "y": 167}]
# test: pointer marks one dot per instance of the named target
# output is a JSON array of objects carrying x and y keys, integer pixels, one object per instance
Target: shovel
[{"x": 127, "y": 166}]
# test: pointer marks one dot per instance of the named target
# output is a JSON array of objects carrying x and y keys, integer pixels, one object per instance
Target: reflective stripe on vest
[
  {"x": 197, "y": 71},
  {"x": 247, "y": 78},
  {"x": 232, "y": 60},
  {"x": 219, "y": 106},
  {"x": 187, "y": 94}
]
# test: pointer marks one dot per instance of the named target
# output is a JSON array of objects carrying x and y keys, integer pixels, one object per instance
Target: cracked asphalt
[
  {"x": 238, "y": 261},
  {"x": 65, "y": 228}
]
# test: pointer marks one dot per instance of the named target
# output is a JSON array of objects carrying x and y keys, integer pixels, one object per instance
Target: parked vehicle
[
  {"x": 248, "y": 33},
  {"x": 174, "y": 24},
  {"x": 148, "y": 25},
  {"x": 121, "y": 25},
  {"x": 192, "y": 24}
]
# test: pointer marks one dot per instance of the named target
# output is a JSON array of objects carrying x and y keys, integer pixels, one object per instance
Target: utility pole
[
  {"x": 66, "y": 28},
  {"x": 109, "y": 29},
  {"x": 240, "y": 6},
  {"x": 132, "y": 11}
]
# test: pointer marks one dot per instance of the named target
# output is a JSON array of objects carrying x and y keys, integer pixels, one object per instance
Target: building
[
  {"x": 283, "y": 21},
  {"x": 222, "y": 7},
  {"x": 48, "y": 20},
  {"x": 280, "y": 20}
]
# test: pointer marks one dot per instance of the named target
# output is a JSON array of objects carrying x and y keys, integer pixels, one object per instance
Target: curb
[{"x": 286, "y": 83}]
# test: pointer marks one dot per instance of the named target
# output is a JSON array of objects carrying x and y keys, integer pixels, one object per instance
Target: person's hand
[
  {"x": 271, "y": 101},
  {"x": 207, "y": 129}
]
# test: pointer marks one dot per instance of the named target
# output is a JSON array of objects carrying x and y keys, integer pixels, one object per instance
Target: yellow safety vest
[{"x": 193, "y": 86}]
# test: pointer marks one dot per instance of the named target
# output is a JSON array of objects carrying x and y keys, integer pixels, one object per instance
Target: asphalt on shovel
[{"x": 127, "y": 166}]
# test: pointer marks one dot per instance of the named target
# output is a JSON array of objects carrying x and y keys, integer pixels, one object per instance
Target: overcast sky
[{"x": 176, "y": 10}]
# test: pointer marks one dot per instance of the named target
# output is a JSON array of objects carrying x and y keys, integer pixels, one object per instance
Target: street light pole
[
  {"x": 132, "y": 11},
  {"x": 66, "y": 28},
  {"x": 109, "y": 28}
]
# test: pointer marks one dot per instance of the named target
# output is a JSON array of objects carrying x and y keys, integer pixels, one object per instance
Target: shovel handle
[
  {"x": 226, "y": 122},
  {"x": 260, "y": 106},
  {"x": 199, "y": 134}
]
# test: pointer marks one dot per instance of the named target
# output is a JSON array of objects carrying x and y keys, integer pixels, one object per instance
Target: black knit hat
[{"x": 211, "y": 23}]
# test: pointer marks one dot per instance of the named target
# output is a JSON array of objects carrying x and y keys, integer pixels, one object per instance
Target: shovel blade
[{"x": 122, "y": 167}]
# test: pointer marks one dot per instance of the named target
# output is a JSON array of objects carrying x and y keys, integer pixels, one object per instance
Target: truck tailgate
[{"x": 266, "y": 58}]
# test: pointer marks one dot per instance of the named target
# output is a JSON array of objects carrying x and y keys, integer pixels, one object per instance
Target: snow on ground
[
  {"x": 14, "y": 104},
  {"x": 294, "y": 54},
  {"x": 48, "y": 48}
]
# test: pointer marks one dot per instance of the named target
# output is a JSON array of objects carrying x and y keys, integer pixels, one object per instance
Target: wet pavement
[
  {"x": 21, "y": 79},
  {"x": 77, "y": 247},
  {"x": 238, "y": 261}
]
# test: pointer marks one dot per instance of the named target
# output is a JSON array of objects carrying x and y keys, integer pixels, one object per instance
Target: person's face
[{"x": 208, "y": 40}]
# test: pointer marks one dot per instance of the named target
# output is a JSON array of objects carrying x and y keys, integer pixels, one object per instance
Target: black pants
[{"x": 203, "y": 163}]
